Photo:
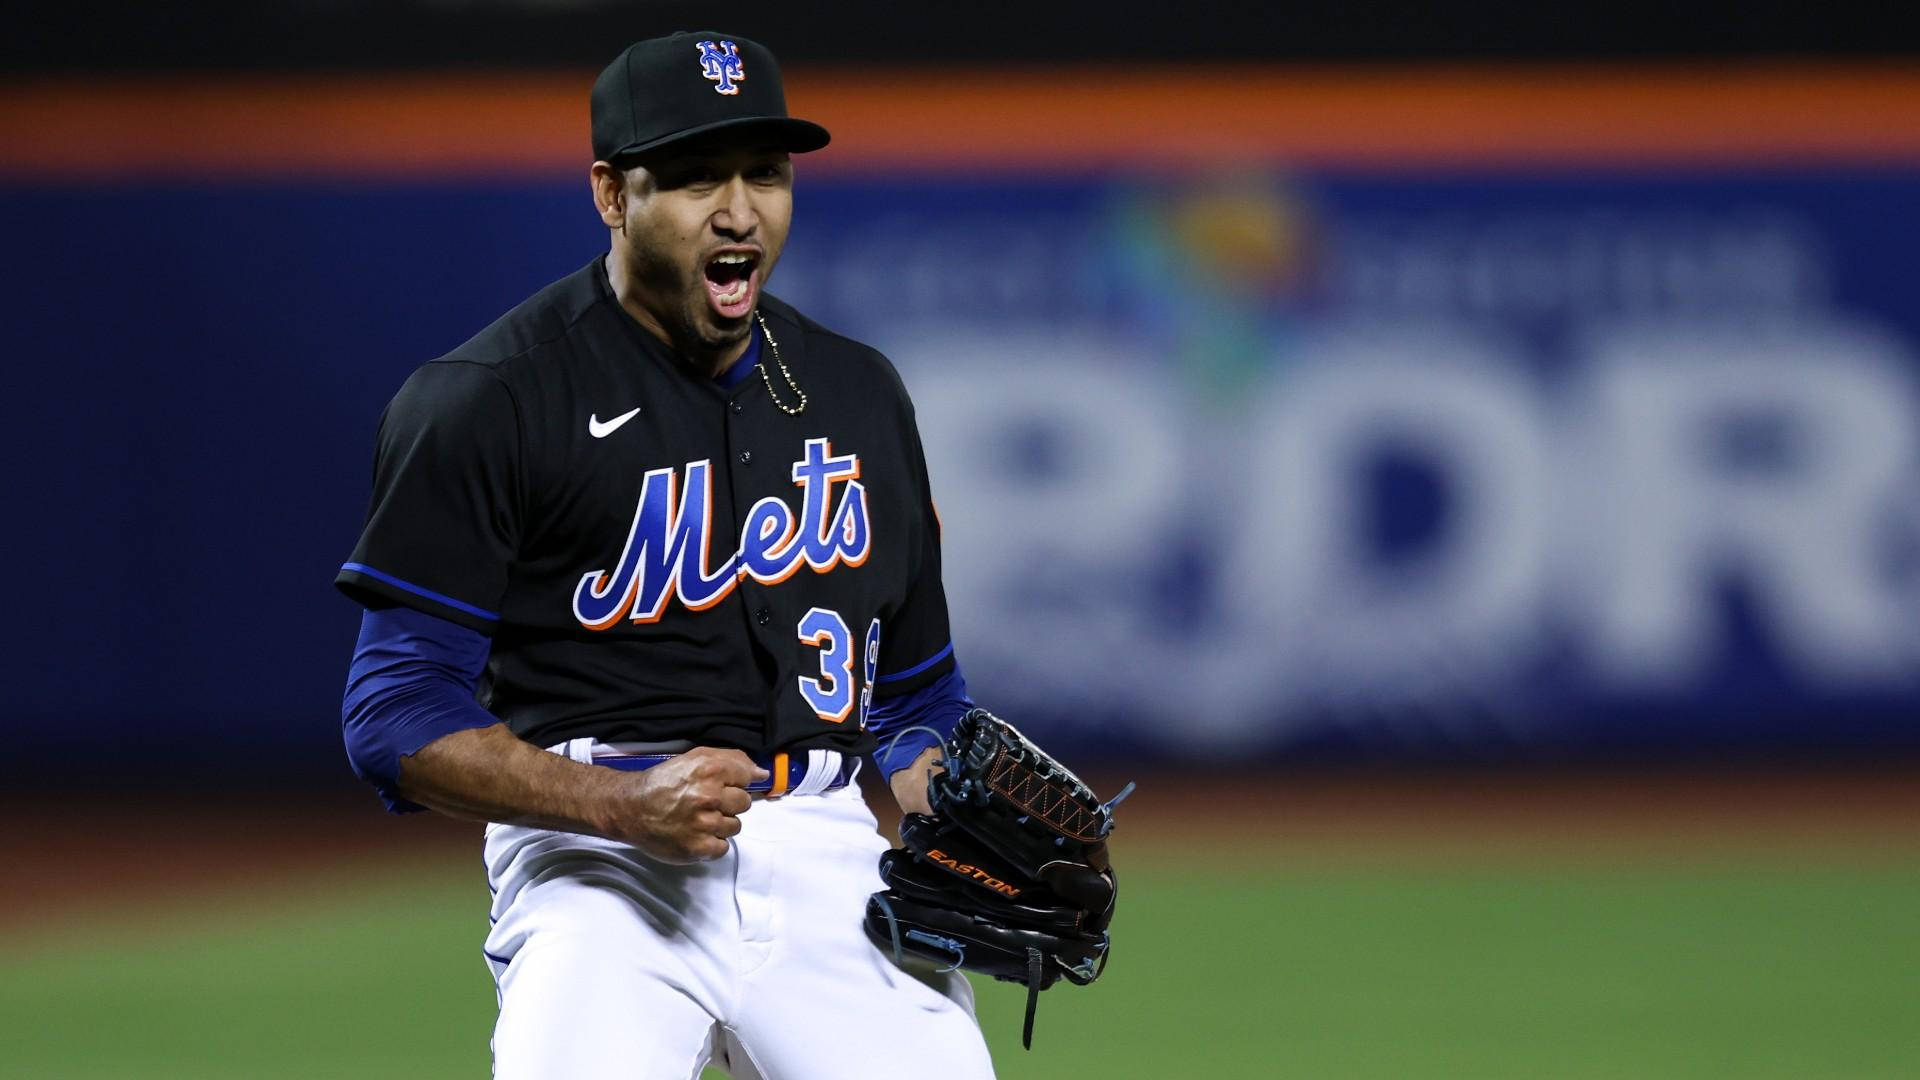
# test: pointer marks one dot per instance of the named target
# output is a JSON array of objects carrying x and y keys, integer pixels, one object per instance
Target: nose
[{"x": 736, "y": 217}]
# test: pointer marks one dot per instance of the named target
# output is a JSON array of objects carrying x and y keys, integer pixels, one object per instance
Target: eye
[{"x": 690, "y": 176}]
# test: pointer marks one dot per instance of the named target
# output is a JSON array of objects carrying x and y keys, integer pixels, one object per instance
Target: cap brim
[{"x": 792, "y": 135}]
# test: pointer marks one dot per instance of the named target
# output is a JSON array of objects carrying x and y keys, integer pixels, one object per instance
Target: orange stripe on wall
[{"x": 421, "y": 125}]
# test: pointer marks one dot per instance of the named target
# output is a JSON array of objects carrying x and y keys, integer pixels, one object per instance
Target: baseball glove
[{"x": 1009, "y": 876}]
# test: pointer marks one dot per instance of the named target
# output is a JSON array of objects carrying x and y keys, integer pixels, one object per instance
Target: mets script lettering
[
  {"x": 720, "y": 63},
  {"x": 667, "y": 545}
]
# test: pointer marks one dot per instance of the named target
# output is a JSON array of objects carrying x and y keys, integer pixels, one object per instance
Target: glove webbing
[{"x": 1051, "y": 801}]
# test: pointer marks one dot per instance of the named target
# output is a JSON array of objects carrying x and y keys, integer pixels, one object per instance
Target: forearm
[
  {"x": 491, "y": 774},
  {"x": 682, "y": 810}
]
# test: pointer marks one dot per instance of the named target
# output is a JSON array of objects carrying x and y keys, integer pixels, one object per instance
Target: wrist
[
  {"x": 909, "y": 784},
  {"x": 614, "y": 804}
]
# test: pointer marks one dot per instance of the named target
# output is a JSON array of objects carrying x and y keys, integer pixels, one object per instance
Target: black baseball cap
[{"x": 665, "y": 89}]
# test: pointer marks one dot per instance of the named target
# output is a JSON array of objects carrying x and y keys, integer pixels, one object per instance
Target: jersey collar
[{"x": 743, "y": 367}]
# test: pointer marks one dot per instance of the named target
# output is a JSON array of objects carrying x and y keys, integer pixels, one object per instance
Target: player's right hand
[{"x": 684, "y": 810}]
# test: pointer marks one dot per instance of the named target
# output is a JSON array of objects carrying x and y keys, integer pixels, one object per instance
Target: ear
[{"x": 609, "y": 194}]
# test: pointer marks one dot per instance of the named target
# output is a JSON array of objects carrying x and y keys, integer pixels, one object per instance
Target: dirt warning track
[{"x": 103, "y": 855}]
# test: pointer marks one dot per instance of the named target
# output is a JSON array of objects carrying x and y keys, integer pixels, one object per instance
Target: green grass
[{"x": 1750, "y": 971}]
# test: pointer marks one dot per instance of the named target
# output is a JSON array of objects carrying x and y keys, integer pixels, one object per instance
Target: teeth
[
  {"x": 734, "y": 294},
  {"x": 732, "y": 259}
]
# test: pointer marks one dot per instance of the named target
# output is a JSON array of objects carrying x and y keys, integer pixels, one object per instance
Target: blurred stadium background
[{"x": 1461, "y": 460}]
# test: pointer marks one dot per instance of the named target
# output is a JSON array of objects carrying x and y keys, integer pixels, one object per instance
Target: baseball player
[{"x": 650, "y": 566}]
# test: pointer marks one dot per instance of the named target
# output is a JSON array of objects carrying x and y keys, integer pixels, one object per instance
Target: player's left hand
[
  {"x": 910, "y": 784},
  {"x": 1009, "y": 876}
]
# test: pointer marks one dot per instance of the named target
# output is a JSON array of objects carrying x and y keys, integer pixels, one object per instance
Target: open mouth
[{"x": 730, "y": 283}]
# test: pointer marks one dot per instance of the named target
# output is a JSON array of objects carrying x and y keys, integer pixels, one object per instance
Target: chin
[
  {"x": 713, "y": 329},
  {"x": 713, "y": 334}
]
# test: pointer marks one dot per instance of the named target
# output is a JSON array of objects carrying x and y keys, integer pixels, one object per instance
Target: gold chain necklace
[{"x": 784, "y": 373}]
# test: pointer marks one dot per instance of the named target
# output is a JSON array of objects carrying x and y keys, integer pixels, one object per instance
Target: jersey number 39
[{"x": 833, "y": 694}]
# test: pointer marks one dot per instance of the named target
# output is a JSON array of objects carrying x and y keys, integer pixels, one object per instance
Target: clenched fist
[{"x": 683, "y": 810}]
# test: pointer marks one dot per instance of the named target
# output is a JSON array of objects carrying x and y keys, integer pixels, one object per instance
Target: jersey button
[
  {"x": 737, "y": 408},
  {"x": 763, "y": 616},
  {"x": 746, "y": 457}
]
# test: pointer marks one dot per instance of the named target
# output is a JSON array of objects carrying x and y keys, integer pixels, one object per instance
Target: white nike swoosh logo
[{"x": 601, "y": 429}]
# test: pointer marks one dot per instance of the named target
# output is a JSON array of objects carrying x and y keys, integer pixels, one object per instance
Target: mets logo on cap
[{"x": 720, "y": 63}]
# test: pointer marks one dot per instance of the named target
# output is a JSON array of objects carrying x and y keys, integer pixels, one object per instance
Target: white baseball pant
[{"x": 611, "y": 964}]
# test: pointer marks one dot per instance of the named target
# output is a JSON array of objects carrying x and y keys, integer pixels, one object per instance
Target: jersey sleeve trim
[
  {"x": 917, "y": 668},
  {"x": 424, "y": 593}
]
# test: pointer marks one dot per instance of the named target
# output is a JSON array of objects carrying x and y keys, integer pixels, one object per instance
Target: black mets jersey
[{"x": 657, "y": 557}]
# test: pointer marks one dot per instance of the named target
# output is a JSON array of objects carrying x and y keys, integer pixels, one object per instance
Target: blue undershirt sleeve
[
  {"x": 938, "y": 705},
  {"x": 412, "y": 680}
]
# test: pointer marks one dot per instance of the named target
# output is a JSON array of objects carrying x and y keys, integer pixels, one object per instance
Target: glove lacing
[
  {"x": 945, "y": 944},
  {"x": 1034, "y": 960},
  {"x": 946, "y": 755}
]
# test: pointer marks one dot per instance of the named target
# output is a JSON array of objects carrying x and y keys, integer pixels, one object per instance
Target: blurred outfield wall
[{"x": 1269, "y": 414}]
